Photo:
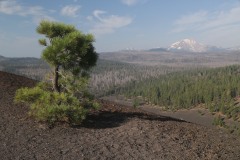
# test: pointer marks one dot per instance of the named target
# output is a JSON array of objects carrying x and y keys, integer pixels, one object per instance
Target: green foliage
[
  {"x": 53, "y": 106},
  {"x": 136, "y": 103},
  {"x": 67, "y": 47},
  {"x": 75, "y": 85},
  {"x": 54, "y": 29},
  {"x": 72, "y": 54},
  {"x": 219, "y": 121},
  {"x": 216, "y": 88}
]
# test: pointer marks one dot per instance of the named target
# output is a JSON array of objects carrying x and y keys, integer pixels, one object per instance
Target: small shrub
[
  {"x": 136, "y": 103},
  {"x": 219, "y": 121},
  {"x": 53, "y": 106}
]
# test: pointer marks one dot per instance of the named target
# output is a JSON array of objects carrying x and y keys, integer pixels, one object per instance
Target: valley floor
[{"x": 196, "y": 115}]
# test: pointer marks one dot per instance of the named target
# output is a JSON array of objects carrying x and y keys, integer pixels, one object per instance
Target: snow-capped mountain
[{"x": 188, "y": 45}]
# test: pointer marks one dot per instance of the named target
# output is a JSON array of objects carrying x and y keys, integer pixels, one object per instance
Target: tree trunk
[{"x": 55, "y": 82}]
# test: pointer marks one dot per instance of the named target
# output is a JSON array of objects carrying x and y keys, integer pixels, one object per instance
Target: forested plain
[
  {"x": 217, "y": 89},
  {"x": 172, "y": 85},
  {"x": 109, "y": 76}
]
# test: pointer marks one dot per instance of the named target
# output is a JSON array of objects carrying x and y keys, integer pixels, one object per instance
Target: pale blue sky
[{"x": 121, "y": 24}]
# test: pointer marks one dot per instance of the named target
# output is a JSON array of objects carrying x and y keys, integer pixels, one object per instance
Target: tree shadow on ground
[{"x": 107, "y": 119}]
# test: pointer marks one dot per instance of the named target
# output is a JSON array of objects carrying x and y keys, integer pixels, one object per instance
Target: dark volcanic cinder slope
[
  {"x": 114, "y": 132},
  {"x": 9, "y": 83}
]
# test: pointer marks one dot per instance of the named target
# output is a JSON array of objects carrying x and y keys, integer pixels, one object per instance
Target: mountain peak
[
  {"x": 189, "y": 45},
  {"x": 189, "y": 41}
]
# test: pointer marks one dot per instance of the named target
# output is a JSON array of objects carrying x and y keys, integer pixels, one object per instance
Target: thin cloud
[
  {"x": 224, "y": 18},
  {"x": 70, "y": 10},
  {"x": 107, "y": 24},
  {"x": 197, "y": 17},
  {"x": 11, "y": 7},
  {"x": 204, "y": 20},
  {"x": 134, "y": 2},
  {"x": 129, "y": 2},
  {"x": 214, "y": 27},
  {"x": 225, "y": 36}
]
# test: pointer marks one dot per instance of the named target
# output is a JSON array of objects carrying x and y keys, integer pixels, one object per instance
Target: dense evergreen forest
[{"x": 217, "y": 89}]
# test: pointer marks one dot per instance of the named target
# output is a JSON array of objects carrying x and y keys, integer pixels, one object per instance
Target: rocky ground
[{"x": 113, "y": 132}]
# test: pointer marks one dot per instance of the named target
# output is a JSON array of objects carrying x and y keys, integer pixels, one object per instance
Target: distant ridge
[
  {"x": 158, "y": 50},
  {"x": 1, "y": 57}
]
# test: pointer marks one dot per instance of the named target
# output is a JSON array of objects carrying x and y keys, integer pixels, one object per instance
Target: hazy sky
[{"x": 121, "y": 24}]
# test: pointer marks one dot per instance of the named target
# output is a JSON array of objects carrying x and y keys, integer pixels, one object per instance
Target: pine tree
[{"x": 66, "y": 48}]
